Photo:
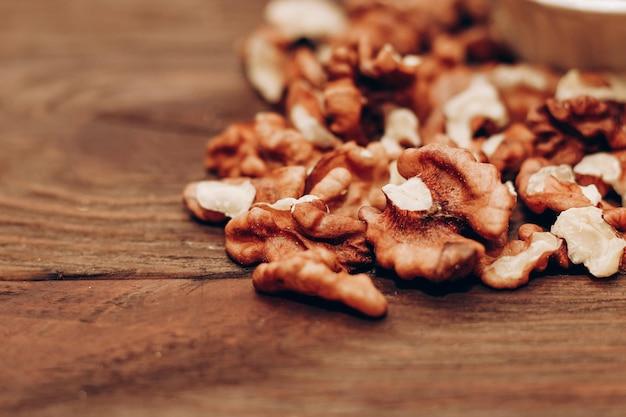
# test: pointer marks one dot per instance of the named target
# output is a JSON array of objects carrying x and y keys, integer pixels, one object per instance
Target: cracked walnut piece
[
  {"x": 316, "y": 272},
  {"x": 591, "y": 241},
  {"x": 217, "y": 200},
  {"x": 544, "y": 186},
  {"x": 368, "y": 168},
  {"x": 510, "y": 266},
  {"x": 431, "y": 224},
  {"x": 568, "y": 130},
  {"x": 470, "y": 190},
  {"x": 269, "y": 233},
  {"x": 255, "y": 149}
]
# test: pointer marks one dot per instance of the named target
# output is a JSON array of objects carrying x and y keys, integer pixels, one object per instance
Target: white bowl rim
[{"x": 593, "y": 6}]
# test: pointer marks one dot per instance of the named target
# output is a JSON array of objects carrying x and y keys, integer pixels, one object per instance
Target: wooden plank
[
  {"x": 103, "y": 200},
  {"x": 103, "y": 30},
  {"x": 166, "y": 347},
  {"x": 95, "y": 157}
]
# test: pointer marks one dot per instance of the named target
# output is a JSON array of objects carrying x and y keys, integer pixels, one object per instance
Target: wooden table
[{"x": 113, "y": 302}]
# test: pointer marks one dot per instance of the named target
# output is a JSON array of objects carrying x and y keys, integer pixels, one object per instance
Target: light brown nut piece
[
  {"x": 434, "y": 87},
  {"x": 510, "y": 266},
  {"x": 362, "y": 80},
  {"x": 255, "y": 149},
  {"x": 265, "y": 62},
  {"x": 305, "y": 65},
  {"x": 616, "y": 217},
  {"x": 591, "y": 240},
  {"x": 480, "y": 101},
  {"x": 333, "y": 187},
  {"x": 344, "y": 103},
  {"x": 271, "y": 232},
  {"x": 369, "y": 171},
  {"x": 479, "y": 45},
  {"x": 281, "y": 183},
  {"x": 412, "y": 25},
  {"x": 606, "y": 170},
  {"x": 416, "y": 243},
  {"x": 401, "y": 130},
  {"x": 523, "y": 87},
  {"x": 568, "y": 130},
  {"x": 341, "y": 62},
  {"x": 279, "y": 144},
  {"x": 308, "y": 19},
  {"x": 448, "y": 49},
  {"x": 386, "y": 65},
  {"x": 217, "y": 200},
  {"x": 509, "y": 149},
  {"x": 464, "y": 188},
  {"x": 384, "y": 23},
  {"x": 233, "y": 153},
  {"x": 602, "y": 86},
  {"x": 315, "y": 272},
  {"x": 448, "y": 195},
  {"x": 304, "y": 108},
  {"x": 543, "y": 186}
]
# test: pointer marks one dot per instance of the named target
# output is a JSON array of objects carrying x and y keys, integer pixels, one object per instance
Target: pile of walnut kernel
[{"x": 404, "y": 136}]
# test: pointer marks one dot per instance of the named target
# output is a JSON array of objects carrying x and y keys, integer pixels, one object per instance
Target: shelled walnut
[{"x": 433, "y": 222}]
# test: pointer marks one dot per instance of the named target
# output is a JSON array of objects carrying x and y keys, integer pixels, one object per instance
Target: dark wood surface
[{"x": 113, "y": 302}]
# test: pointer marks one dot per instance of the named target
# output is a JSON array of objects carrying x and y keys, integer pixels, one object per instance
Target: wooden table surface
[{"x": 113, "y": 302}]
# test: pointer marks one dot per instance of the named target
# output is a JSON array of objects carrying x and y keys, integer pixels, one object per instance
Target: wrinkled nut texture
[
  {"x": 279, "y": 144},
  {"x": 281, "y": 183},
  {"x": 369, "y": 171},
  {"x": 448, "y": 193},
  {"x": 325, "y": 190},
  {"x": 602, "y": 165},
  {"x": 615, "y": 217},
  {"x": 344, "y": 103},
  {"x": 386, "y": 67},
  {"x": 568, "y": 130},
  {"x": 544, "y": 186},
  {"x": 416, "y": 245},
  {"x": 591, "y": 241},
  {"x": 383, "y": 23},
  {"x": 271, "y": 232},
  {"x": 218, "y": 200},
  {"x": 462, "y": 187},
  {"x": 254, "y": 150},
  {"x": 306, "y": 66},
  {"x": 233, "y": 153},
  {"x": 510, "y": 267},
  {"x": 315, "y": 272}
]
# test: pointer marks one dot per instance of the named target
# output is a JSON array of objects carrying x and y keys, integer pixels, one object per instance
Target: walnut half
[
  {"x": 432, "y": 222},
  {"x": 317, "y": 272}
]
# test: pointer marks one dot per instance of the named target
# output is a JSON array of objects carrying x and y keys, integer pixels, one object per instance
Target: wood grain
[{"x": 114, "y": 302}]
